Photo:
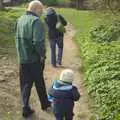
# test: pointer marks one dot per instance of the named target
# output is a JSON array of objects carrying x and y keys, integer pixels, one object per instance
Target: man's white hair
[{"x": 34, "y": 5}]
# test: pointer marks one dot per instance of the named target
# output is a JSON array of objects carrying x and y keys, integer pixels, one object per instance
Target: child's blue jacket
[{"x": 63, "y": 95}]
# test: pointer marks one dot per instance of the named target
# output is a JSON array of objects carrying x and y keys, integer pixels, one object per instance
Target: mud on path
[{"x": 10, "y": 108}]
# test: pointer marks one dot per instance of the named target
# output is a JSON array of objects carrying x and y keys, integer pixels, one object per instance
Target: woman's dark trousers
[{"x": 59, "y": 43}]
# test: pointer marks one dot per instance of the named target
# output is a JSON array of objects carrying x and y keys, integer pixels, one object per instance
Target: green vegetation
[
  {"x": 100, "y": 50},
  {"x": 113, "y": 5},
  {"x": 7, "y": 26},
  {"x": 63, "y": 1},
  {"x": 50, "y": 2},
  {"x": 56, "y": 2},
  {"x": 99, "y": 45},
  {"x": 106, "y": 33}
]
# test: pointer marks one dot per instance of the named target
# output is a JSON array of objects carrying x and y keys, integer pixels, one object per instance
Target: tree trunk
[
  {"x": 80, "y": 4},
  {"x": 1, "y": 4}
]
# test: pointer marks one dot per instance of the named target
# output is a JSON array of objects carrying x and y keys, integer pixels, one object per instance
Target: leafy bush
[
  {"x": 106, "y": 33},
  {"x": 103, "y": 79},
  {"x": 7, "y": 25},
  {"x": 101, "y": 61},
  {"x": 117, "y": 117},
  {"x": 105, "y": 4},
  {"x": 50, "y": 2},
  {"x": 102, "y": 70}
]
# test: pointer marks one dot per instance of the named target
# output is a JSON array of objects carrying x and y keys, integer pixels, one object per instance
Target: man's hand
[
  {"x": 42, "y": 59},
  {"x": 42, "y": 62}
]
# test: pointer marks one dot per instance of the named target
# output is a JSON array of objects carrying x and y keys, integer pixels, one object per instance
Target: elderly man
[{"x": 30, "y": 37}]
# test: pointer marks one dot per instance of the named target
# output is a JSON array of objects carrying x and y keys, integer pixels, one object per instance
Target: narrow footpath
[{"x": 10, "y": 108}]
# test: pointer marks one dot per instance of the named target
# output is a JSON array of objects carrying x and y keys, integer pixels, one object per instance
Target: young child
[{"x": 62, "y": 95}]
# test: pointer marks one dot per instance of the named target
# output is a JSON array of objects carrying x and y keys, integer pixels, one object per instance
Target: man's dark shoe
[{"x": 27, "y": 112}]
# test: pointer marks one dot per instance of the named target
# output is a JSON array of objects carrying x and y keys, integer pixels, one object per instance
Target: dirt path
[{"x": 9, "y": 85}]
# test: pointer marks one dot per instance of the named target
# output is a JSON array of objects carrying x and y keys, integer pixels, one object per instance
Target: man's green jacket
[{"x": 30, "y": 38}]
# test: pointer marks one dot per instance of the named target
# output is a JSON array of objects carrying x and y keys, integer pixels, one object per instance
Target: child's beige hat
[{"x": 67, "y": 75}]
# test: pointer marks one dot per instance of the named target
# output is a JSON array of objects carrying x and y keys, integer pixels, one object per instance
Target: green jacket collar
[{"x": 31, "y": 13}]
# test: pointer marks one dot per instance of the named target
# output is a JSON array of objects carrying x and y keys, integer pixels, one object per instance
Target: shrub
[
  {"x": 7, "y": 25},
  {"x": 50, "y": 2},
  {"x": 106, "y": 33},
  {"x": 101, "y": 60},
  {"x": 102, "y": 71}
]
